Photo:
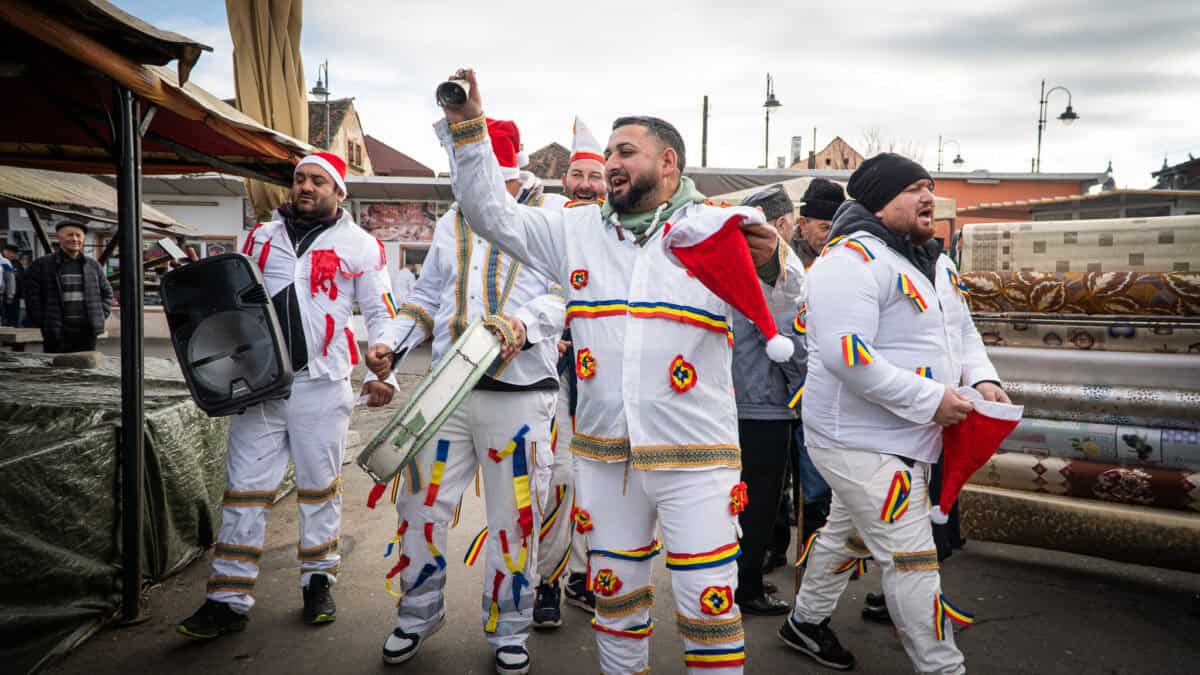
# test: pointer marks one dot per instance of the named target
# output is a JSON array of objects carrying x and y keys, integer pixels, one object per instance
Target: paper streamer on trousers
[
  {"x": 1135, "y": 485},
  {"x": 1122, "y": 369},
  {"x": 1111, "y": 443},
  {"x": 1094, "y": 333},
  {"x": 1170, "y": 539},
  {"x": 1103, "y": 404},
  {"x": 1122, "y": 293}
]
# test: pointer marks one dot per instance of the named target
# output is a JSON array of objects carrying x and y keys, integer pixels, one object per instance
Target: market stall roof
[
  {"x": 1022, "y": 209},
  {"x": 69, "y": 194},
  {"x": 58, "y": 59},
  {"x": 944, "y": 208}
]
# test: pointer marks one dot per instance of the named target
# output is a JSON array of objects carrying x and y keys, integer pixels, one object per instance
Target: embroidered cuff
[{"x": 470, "y": 131}]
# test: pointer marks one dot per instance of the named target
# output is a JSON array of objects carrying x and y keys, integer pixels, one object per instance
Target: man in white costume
[
  {"x": 890, "y": 340},
  {"x": 656, "y": 425},
  {"x": 502, "y": 429},
  {"x": 316, "y": 264}
]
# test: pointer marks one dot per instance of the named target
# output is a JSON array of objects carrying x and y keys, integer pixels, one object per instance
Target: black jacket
[
  {"x": 853, "y": 217},
  {"x": 43, "y": 294}
]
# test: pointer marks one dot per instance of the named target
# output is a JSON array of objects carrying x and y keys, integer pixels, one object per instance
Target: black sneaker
[
  {"x": 400, "y": 646},
  {"x": 318, "y": 600},
  {"x": 875, "y": 609},
  {"x": 817, "y": 641},
  {"x": 577, "y": 593},
  {"x": 512, "y": 660},
  {"x": 547, "y": 608},
  {"x": 213, "y": 620}
]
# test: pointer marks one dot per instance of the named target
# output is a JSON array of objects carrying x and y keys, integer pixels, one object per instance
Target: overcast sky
[{"x": 968, "y": 71}]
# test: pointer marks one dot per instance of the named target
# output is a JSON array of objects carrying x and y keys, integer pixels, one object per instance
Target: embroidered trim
[
  {"x": 716, "y": 600},
  {"x": 714, "y": 658},
  {"x": 652, "y": 457},
  {"x": 595, "y": 309},
  {"x": 417, "y": 314},
  {"x": 624, "y": 605},
  {"x": 600, "y": 448},
  {"x": 250, "y": 554},
  {"x": 248, "y": 498},
  {"x": 696, "y": 561},
  {"x": 637, "y": 555},
  {"x": 857, "y": 546},
  {"x": 638, "y": 632},
  {"x": 915, "y": 561},
  {"x": 463, "y": 243},
  {"x": 220, "y": 584},
  {"x": 710, "y": 631},
  {"x": 692, "y": 316},
  {"x": 896, "y": 502},
  {"x": 318, "y": 552},
  {"x": 469, "y": 131},
  {"x": 682, "y": 375},
  {"x": 320, "y": 495}
]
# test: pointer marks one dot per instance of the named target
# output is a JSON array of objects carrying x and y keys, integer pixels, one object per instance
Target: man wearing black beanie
[
  {"x": 820, "y": 202},
  {"x": 890, "y": 343}
]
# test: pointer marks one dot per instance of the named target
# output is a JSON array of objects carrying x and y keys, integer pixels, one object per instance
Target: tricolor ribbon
[
  {"x": 521, "y": 483},
  {"x": 855, "y": 351},
  {"x": 476, "y": 546},
  {"x": 517, "y": 570},
  {"x": 439, "y": 468},
  {"x": 494, "y": 609},
  {"x": 909, "y": 290},
  {"x": 896, "y": 502},
  {"x": 433, "y": 549},
  {"x": 396, "y": 540}
]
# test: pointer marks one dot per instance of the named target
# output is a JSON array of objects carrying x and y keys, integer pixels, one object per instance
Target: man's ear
[{"x": 671, "y": 160}]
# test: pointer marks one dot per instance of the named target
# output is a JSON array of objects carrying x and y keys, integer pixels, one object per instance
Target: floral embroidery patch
[
  {"x": 716, "y": 600},
  {"x": 583, "y": 520},
  {"x": 738, "y": 498},
  {"x": 683, "y": 375},
  {"x": 606, "y": 583},
  {"x": 585, "y": 364},
  {"x": 579, "y": 279}
]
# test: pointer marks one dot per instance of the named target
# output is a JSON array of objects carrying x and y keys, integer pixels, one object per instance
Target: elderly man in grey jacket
[{"x": 767, "y": 396}]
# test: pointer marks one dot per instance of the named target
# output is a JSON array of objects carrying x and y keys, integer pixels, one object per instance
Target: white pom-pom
[
  {"x": 780, "y": 349},
  {"x": 936, "y": 515}
]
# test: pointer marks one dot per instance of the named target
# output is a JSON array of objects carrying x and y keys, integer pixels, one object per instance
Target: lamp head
[{"x": 1068, "y": 116}]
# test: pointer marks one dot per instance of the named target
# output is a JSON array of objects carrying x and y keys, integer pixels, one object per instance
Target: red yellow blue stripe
[
  {"x": 925, "y": 371},
  {"x": 800, "y": 325},
  {"x": 435, "y": 475},
  {"x": 909, "y": 290},
  {"x": 521, "y": 483},
  {"x": 692, "y": 316},
  {"x": 808, "y": 546},
  {"x": 714, "y": 658},
  {"x": 958, "y": 284},
  {"x": 644, "y": 553},
  {"x": 493, "y": 619},
  {"x": 476, "y": 547},
  {"x": 390, "y": 304},
  {"x": 955, "y": 614},
  {"x": 859, "y": 248},
  {"x": 939, "y": 618},
  {"x": 550, "y": 518},
  {"x": 560, "y": 567},
  {"x": 396, "y": 539},
  {"x": 846, "y": 566},
  {"x": 433, "y": 549},
  {"x": 595, "y": 309},
  {"x": 855, "y": 351},
  {"x": 638, "y": 632},
  {"x": 516, "y": 569},
  {"x": 795, "y": 399},
  {"x": 896, "y": 502},
  {"x": 695, "y": 561}
]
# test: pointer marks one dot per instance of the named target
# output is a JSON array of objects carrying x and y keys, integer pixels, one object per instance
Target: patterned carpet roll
[
  {"x": 1090, "y": 333},
  {"x": 1103, "y": 404},
  {"x": 1119, "y": 293},
  {"x": 1111, "y": 443},
  {"x": 1137, "y": 485},
  {"x": 1086, "y": 368}
]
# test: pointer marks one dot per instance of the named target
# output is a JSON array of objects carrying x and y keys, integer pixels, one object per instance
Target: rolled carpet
[
  {"x": 1123, "y": 369},
  {"x": 1095, "y": 333},
  {"x": 1134, "y": 534},
  {"x": 1104, "y": 404},
  {"x": 1122, "y": 293},
  {"x": 1112, "y": 443},
  {"x": 1139, "y": 485}
]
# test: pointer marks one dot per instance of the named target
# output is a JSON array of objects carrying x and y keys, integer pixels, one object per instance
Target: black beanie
[
  {"x": 774, "y": 202},
  {"x": 822, "y": 199},
  {"x": 878, "y": 180}
]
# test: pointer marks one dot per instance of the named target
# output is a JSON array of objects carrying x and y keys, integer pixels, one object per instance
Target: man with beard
[
  {"x": 502, "y": 429},
  {"x": 890, "y": 341},
  {"x": 316, "y": 263},
  {"x": 656, "y": 429},
  {"x": 558, "y": 551}
]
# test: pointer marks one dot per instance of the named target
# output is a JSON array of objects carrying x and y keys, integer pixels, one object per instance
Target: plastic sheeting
[
  {"x": 1103, "y": 404},
  {"x": 59, "y": 511},
  {"x": 1168, "y": 448},
  {"x": 1176, "y": 489},
  {"x": 1113, "y": 369},
  {"x": 1094, "y": 333},
  {"x": 1119, "y": 293}
]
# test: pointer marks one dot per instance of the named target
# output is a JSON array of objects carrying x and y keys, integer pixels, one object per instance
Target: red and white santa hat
[
  {"x": 583, "y": 144},
  {"x": 506, "y": 144},
  {"x": 969, "y": 445},
  {"x": 709, "y": 243},
  {"x": 332, "y": 164}
]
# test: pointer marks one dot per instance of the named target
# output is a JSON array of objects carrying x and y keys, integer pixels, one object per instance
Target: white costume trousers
[
  {"x": 485, "y": 428},
  {"x": 870, "y": 516},
  {"x": 622, "y": 506},
  {"x": 558, "y": 551},
  {"x": 310, "y": 428}
]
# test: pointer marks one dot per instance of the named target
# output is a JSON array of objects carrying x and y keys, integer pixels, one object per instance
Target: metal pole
[
  {"x": 767, "y": 142},
  {"x": 704, "y": 136},
  {"x": 1037, "y": 161},
  {"x": 939, "y": 153},
  {"x": 133, "y": 461}
]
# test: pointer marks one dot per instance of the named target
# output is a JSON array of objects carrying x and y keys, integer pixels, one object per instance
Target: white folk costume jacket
[
  {"x": 883, "y": 344},
  {"x": 651, "y": 343},
  {"x": 465, "y": 277},
  {"x": 342, "y": 266}
]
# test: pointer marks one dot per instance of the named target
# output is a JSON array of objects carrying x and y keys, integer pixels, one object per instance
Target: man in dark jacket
[
  {"x": 766, "y": 397},
  {"x": 67, "y": 295}
]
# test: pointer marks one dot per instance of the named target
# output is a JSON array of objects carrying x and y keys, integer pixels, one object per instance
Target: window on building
[
  {"x": 1181, "y": 267},
  {"x": 1166, "y": 237},
  {"x": 1148, "y": 211},
  {"x": 1137, "y": 259},
  {"x": 1062, "y": 265},
  {"x": 1099, "y": 214}
]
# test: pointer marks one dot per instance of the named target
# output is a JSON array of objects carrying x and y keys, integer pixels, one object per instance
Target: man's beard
[
  {"x": 639, "y": 188},
  {"x": 316, "y": 210}
]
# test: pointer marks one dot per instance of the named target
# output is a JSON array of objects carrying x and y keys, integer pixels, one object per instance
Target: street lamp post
[
  {"x": 771, "y": 104},
  {"x": 1067, "y": 117},
  {"x": 958, "y": 160},
  {"x": 322, "y": 89}
]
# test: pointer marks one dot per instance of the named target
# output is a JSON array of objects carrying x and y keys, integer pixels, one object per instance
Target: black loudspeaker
[{"x": 226, "y": 334}]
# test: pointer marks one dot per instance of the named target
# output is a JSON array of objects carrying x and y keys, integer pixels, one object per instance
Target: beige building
[
  {"x": 838, "y": 155},
  {"x": 345, "y": 138}
]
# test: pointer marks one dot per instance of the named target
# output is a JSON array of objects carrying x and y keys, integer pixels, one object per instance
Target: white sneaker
[
  {"x": 512, "y": 660},
  {"x": 401, "y": 646}
]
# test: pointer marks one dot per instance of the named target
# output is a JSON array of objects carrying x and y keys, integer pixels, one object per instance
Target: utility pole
[{"x": 704, "y": 135}]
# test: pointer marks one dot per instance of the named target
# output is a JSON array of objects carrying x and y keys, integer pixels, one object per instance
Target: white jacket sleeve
[
  {"x": 545, "y": 317},
  {"x": 535, "y": 236},
  {"x": 844, "y": 299}
]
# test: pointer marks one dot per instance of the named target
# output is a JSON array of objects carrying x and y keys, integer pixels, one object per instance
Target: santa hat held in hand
[
  {"x": 506, "y": 145},
  {"x": 968, "y": 445},
  {"x": 583, "y": 144},
  {"x": 711, "y": 246},
  {"x": 332, "y": 164}
]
